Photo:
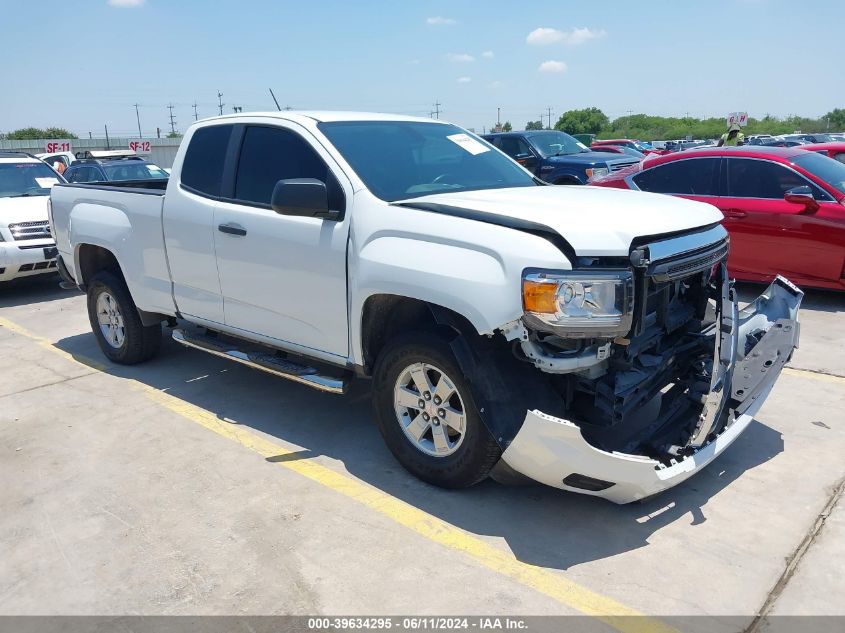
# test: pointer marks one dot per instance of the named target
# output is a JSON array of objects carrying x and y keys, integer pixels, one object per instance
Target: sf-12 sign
[
  {"x": 140, "y": 146},
  {"x": 738, "y": 118},
  {"x": 53, "y": 147}
]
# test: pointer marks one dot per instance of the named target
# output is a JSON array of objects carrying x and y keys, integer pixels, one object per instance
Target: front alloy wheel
[
  {"x": 429, "y": 409},
  {"x": 426, "y": 413}
]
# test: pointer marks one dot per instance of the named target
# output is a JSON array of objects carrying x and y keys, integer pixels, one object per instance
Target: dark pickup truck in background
[{"x": 557, "y": 157}]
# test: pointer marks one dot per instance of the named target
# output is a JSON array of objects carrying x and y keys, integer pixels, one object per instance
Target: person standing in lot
[{"x": 733, "y": 136}]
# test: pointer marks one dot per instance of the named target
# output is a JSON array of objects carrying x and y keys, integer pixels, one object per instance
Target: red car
[
  {"x": 834, "y": 150},
  {"x": 784, "y": 207},
  {"x": 621, "y": 142}
]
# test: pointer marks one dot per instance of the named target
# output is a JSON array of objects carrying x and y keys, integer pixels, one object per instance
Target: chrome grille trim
[{"x": 30, "y": 230}]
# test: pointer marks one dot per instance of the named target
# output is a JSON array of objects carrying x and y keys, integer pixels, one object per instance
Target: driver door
[
  {"x": 519, "y": 149},
  {"x": 283, "y": 277},
  {"x": 771, "y": 236}
]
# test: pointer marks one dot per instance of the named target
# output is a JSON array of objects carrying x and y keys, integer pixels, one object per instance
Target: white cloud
[
  {"x": 126, "y": 4},
  {"x": 544, "y": 36},
  {"x": 487, "y": 55},
  {"x": 464, "y": 80},
  {"x": 460, "y": 57},
  {"x": 552, "y": 66},
  {"x": 440, "y": 21}
]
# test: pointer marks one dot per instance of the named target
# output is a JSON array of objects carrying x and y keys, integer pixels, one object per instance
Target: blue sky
[{"x": 83, "y": 63}]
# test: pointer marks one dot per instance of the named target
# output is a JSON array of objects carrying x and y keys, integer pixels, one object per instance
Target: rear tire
[
  {"x": 116, "y": 323},
  {"x": 454, "y": 452}
]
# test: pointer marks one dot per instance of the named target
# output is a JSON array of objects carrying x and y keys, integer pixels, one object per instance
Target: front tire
[
  {"x": 116, "y": 323},
  {"x": 426, "y": 413}
]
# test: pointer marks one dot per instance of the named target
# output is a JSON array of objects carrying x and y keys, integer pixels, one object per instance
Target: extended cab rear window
[{"x": 202, "y": 169}]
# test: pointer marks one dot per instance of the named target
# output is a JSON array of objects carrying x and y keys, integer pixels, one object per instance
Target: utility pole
[
  {"x": 138, "y": 117},
  {"x": 172, "y": 120},
  {"x": 498, "y": 117},
  {"x": 628, "y": 121},
  {"x": 220, "y": 103},
  {"x": 437, "y": 105},
  {"x": 550, "y": 117},
  {"x": 237, "y": 109},
  {"x": 106, "y": 126},
  {"x": 196, "y": 116},
  {"x": 287, "y": 107}
]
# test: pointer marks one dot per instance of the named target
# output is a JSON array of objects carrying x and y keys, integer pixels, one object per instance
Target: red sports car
[{"x": 784, "y": 207}]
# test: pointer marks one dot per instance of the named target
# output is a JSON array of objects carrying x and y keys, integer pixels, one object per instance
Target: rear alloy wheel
[
  {"x": 116, "y": 324},
  {"x": 426, "y": 413}
]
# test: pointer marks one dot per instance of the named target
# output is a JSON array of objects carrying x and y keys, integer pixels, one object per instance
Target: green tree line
[
  {"x": 32, "y": 133},
  {"x": 650, "y": 127}
]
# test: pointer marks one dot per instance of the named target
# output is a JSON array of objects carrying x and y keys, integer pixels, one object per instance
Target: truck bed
[{"x": 124, "y": 218}]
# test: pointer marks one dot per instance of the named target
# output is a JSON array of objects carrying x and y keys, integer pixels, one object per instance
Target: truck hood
[
  {"x": 595, "y": 221},
  {"x": 29, "y": 209}
]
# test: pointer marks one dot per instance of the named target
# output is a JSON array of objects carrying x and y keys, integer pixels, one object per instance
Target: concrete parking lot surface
[{"x": 191, "y": 485}]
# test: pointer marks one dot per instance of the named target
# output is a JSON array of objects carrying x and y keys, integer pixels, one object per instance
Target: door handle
[
  {"x": 232, "y": 229},
  {"x": 735, "y": 214}
]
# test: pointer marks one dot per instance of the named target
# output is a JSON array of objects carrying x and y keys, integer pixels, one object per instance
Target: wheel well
[
  {"x": 385, "y": 316},
  {"x": 567, "y": 180},
  {"x": 93, "y": 259}
]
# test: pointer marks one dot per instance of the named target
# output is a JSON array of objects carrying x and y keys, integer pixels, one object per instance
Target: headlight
[
  {"x": 579, "y": 304},
  {"x": 596, "y": 172}
]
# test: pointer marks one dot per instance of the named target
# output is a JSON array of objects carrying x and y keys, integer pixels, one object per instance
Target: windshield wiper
[{"x": 25, "y": 195}]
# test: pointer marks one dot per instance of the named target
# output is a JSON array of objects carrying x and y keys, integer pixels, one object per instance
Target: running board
[{"x": 265, "y": 361}]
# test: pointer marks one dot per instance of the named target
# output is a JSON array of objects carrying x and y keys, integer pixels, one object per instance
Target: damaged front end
[{"x": 643, "y": 411}]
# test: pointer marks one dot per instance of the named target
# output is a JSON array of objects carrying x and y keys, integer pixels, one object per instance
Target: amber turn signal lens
[{"x": 539, "y": 296}]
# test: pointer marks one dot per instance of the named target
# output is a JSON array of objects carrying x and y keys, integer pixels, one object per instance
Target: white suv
[{"x": 26, "y": 245}]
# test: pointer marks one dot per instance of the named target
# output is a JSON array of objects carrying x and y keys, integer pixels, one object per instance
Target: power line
[{"x": 172, "y": 120}]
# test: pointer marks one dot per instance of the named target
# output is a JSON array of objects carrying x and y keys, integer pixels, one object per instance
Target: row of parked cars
[
  {"x": 26, "y": 246},
  {"x": 783, "y": 206}
]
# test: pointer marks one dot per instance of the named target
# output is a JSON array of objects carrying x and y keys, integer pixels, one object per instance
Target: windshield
[
  {"x": 556, "y": 144},
  {"x": 407, "y": 159},
  {"x": 26, "y": 179},
  {"x": 133, "y": 170},
  {"x": 630, "y": 151},
  {"x": 827, "y": 169}
]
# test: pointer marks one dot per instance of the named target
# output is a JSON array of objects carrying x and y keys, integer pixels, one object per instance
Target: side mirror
[
  {"x": 802, "y": 195},
  {"x": 306, "y": 197},
  {"x": 526, "y": 160}
]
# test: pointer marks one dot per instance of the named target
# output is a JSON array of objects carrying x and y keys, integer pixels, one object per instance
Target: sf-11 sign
[{"x": 52, "y": 147}]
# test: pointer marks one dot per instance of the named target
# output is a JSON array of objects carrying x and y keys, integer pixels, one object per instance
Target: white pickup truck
[{"x": 585, "y": 338}]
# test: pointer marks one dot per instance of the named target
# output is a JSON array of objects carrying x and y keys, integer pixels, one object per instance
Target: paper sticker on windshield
[
  {"x": 468, "y": 143},
  {"x": 46, "y": 183},
  {"x": 582, "y": 146}
]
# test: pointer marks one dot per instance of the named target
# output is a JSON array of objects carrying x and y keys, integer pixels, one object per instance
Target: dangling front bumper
[{"x": 752, "y": 347}]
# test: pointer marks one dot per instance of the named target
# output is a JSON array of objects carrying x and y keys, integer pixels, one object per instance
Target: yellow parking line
[
  {"x": 567, "y": 592},
  {"x": 815, "y": 375}
]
